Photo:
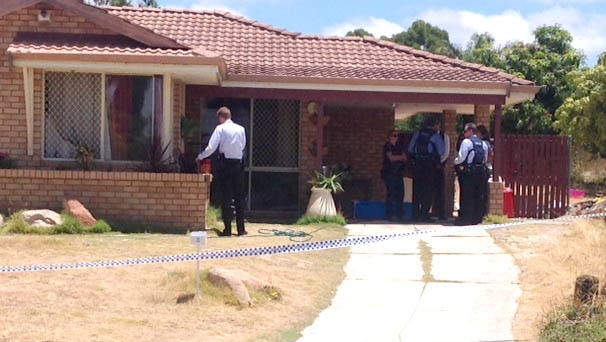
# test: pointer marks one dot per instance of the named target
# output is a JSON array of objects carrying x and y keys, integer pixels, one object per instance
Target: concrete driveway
[{"x": 450, "y": 288}]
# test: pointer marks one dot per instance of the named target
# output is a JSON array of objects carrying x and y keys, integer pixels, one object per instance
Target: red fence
[{"x": 537, "y": 168}]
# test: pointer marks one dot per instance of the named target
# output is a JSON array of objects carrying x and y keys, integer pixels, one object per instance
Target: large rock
[
  {"x": 236, "y": 280},
  {"x": 77, "y": 210},
  {"x": 42, "y": 218}
]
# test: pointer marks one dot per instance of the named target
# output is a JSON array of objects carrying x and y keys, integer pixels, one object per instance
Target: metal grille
[
  {"x": 275, "y": 133},
  {"x": 72, "y": 113}
]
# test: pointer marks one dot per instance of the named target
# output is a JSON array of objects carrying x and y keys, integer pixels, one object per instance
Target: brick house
[{"x": 122, "y": 79}]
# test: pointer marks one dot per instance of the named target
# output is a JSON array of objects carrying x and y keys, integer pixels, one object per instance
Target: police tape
[{"x": 280, "y": 249}]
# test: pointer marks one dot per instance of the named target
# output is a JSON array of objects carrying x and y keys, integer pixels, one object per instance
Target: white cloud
[
  {"x": 377, "y": 26},
  {"x": 586, "y": 28},
  {"x": 505, "y": 27}
]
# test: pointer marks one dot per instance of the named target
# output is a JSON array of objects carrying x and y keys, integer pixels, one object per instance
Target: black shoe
[
  {"x": 243, "y": 233},
  {"x": 225, "y": 234}
]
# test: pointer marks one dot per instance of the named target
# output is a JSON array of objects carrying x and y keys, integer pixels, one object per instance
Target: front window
[{"x": 121, "y": 130}]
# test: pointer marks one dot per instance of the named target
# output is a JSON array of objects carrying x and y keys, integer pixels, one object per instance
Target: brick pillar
[
  {"x": 495, "y": 201},
  {"x": 307, "y": 162},
  {"x": 482, "y": 115},
  {"x": 450, "y": 128}
]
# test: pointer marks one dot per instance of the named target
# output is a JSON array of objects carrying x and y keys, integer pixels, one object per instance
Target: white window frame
[{"x": 167, "y": 107}]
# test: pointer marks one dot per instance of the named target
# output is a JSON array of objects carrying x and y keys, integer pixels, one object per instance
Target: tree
[
  {"x": 360, "y": 32},
  {"x": 547, "y": 61},
  {"x": 424, "y": 36},
  {"x": 480, "y": 49},
  {"x": 583, "y": 114},
  {"x": 602, "y": 59}
]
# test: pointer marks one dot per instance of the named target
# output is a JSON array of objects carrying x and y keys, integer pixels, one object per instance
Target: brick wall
[
  {"x": 495, "y": 204},
  {"x": 179, "y": 200},
  {"x": 355, "y": 136},
  {"x": 13, "y": 130},
  {"x": 482, "y": 115}
]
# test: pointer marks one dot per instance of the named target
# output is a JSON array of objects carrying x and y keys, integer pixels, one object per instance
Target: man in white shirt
[
  {"x": 471, "y": 168},
  {"x": 230, "y": 139}
]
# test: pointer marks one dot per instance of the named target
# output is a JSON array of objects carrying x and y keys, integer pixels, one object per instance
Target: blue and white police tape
[{"x": 281, "y": 249}]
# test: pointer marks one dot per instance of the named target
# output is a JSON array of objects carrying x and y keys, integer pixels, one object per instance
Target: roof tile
[{"x": 252, "y": 48}]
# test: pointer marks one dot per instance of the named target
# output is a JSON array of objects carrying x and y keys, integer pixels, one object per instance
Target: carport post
[{"x": 497, "y": 166}]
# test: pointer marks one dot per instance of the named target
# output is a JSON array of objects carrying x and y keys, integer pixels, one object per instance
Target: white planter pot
[{"x": 321, "y": 203}]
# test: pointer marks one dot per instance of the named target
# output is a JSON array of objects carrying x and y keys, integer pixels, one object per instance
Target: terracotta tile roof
[
  {"x": 252, "y": 48},
  {"x": 88, "y": 44}
]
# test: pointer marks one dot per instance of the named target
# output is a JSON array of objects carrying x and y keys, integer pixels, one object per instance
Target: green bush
[
  {"x": 16, "y": 225},
  {"x": 337, "y": 219},
  {"x": 495, "y": 219},
  {"x": 573, "y": 324}
]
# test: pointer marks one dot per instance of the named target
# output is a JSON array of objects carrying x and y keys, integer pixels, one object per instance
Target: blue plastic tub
[{"x": 375, "y": 210}]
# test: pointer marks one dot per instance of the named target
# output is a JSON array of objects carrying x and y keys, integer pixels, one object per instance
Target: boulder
[
  {"x": 1, "y": 219},
  {"x": 42, "y": 218},
  {"x": 78, "y": 211},
  {"x": 236, "y": 280}
]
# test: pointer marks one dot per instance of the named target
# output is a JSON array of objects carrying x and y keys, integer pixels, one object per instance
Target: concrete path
[{"x": 453, "y": 288}]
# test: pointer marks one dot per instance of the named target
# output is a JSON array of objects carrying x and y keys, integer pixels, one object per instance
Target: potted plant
[
  {"x": 321, "y": 202},
  {"x": 85, "y": 155}
]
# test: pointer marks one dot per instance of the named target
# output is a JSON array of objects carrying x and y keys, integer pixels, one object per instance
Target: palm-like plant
[{"x": 332, "y": 182}]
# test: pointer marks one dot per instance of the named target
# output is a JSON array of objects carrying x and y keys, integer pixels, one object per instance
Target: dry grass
[
  {"x": 550, "y": 257},
  {"x": 139, "y": 303}
]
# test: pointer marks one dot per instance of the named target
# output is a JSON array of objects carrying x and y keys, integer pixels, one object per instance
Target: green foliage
[
  {"x": 332, "y": 182},
  {"x": 307, "y": 220},
  {"x": 412, "y": 124},
  {"x": 360, "y": 32},
  {"x": 583, "y": 114},
  {"x": 495, "y": 219},
  {"x": 481, "y": 49},
  {"x": 424, "y": 36},
  {"x": 575, "y": 324},
  {"x": 213, "y": 217},
  {"x": 16, "y": 225}
]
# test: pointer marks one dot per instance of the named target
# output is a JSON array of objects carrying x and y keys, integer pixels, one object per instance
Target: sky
[{"x": 506, "y": 21}]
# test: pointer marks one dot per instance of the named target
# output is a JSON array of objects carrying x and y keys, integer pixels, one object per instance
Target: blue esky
[{"x": 512, "y": 20}]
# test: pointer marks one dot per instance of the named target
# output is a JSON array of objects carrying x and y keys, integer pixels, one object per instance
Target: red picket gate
[{"x": 537, "y": 168}]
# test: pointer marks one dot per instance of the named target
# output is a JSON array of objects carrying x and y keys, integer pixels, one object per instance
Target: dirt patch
[
  {"x": 140, "y": 302},
  {"x": 550, "y": 257}
]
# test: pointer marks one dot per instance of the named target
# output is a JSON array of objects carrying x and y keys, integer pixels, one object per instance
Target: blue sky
[{"x": 512, "y": 20}]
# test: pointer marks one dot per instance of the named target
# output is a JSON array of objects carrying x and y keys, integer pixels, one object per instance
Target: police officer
[
  {"x": 392, "y": 174},
  {"x": 230, "y": 139},
  {"x": 471, "y": 168},
  {"x": 426, "y": 147}
]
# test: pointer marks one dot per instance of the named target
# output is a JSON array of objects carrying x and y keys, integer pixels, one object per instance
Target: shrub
[
  {"x": 495, "y": 219},
  {"x": 16, "y": 225},
  {"x": 573, "y": 324}
]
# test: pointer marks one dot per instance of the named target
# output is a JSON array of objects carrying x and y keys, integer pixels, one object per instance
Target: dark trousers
[
  {"x": 472, "y": 196},
  {"x": 422, "y": 191},
  {"x": 230, "y": 176},
  {"x": 395, "y": 196},
  {"x": 438, "y": 206}
]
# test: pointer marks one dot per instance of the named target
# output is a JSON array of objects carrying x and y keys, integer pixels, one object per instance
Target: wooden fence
[{"x": 537, "y": 168}]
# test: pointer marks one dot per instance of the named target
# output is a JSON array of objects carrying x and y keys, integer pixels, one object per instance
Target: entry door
[{"x": 272, "y": 158}]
